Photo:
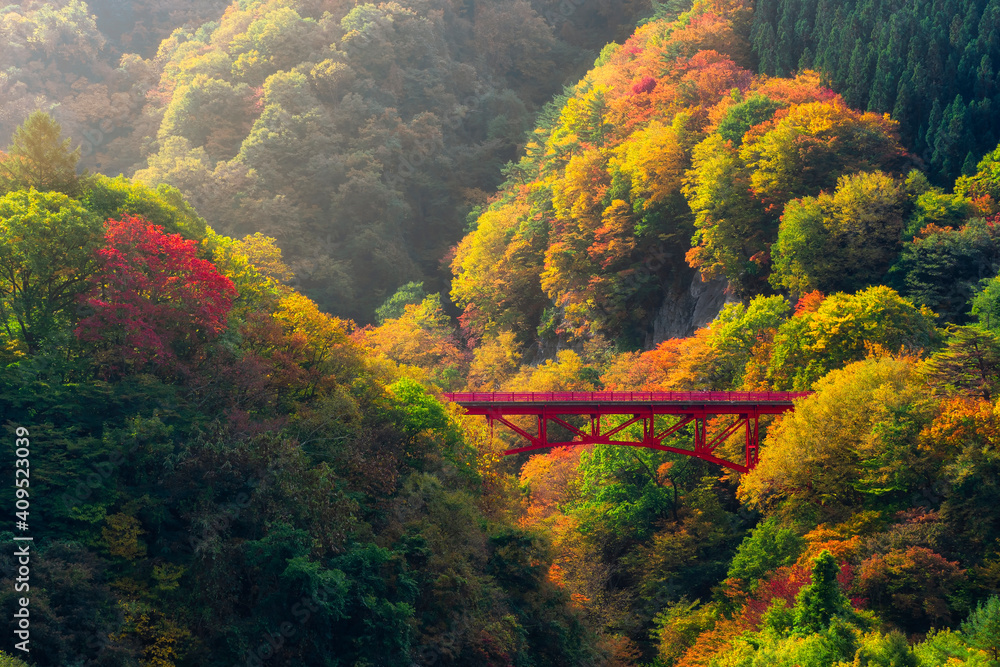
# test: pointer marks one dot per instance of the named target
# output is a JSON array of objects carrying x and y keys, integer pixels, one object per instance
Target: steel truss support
[
  {"x": 600, "y": 432},
  {"x": 562, "y": 411}
]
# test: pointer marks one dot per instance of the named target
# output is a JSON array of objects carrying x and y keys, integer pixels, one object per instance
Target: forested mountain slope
[
  {"x": 866, "y": 535},
  {"x": 671, "y": 159},
  {"x": 359, "y": 135},
  {"x": 669, "y": 138},
  {"x": 219, "y": 472}
]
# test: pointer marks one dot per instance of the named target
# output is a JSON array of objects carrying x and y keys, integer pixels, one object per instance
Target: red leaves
[
  {"x": 152, "y": 294},
  {"x": 710, "y": 75},
  {"x": 645, "y": 85},
  {"x": 912, "y": 587},
  {"x": 809, "y": 302}
]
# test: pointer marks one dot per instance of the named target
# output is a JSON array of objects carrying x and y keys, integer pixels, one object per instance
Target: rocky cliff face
[{"x": 687, "y": 306}]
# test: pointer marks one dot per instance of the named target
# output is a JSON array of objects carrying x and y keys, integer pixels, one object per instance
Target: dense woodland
[
  {"x": 245, "y": 248},
  {"x": 357, "y": 135}
]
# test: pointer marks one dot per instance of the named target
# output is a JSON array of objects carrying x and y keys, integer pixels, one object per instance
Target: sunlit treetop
[{"x": 38, "y": 157}]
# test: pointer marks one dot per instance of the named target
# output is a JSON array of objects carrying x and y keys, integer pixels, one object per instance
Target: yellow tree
[
  {"x": 497, "y": 267},
  {"x": 423, "y": 336},
  {"x": 857, "y": 436},
  {"x": 656, "y": 157},
  {"x": 738, "y": 193},
  {"x": 808, "y": 147},
  {"x": 493, "y": 362},
  {"x": 845, "y": 328},
  {"x": 320, "y": 343}
]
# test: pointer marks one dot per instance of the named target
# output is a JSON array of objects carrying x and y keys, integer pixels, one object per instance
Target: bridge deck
[{"x": 610, "y": 400}]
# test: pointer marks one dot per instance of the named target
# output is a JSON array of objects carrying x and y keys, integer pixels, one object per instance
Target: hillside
[
  {"x": 673, "y": 178},
  {"x": 358, "y": 135},
  {"x": 226, "y": 468},
  {"x": 648, "y": 190},
  {"x": 213, "y": 457}
]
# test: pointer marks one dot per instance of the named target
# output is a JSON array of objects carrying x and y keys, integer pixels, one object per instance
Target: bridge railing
[{"x": 628, "y": 396}]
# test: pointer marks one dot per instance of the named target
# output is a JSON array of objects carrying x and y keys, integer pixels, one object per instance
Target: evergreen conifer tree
[
  {"x": 38, "y": 158},
  {"x": 983, "y": 627},
  {"x": 822, "y": 599},
  {"x": 970, "y": 363}
]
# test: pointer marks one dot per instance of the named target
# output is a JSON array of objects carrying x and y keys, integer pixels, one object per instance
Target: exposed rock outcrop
[{"x": 687, "y": 307}]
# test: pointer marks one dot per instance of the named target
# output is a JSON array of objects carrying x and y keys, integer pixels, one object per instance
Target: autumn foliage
[
  {"x": 153, "y": 298},
  {"x": 221, "y": 447}
]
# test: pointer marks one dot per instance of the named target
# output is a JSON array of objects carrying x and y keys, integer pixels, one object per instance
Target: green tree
[
  {"x": 986, "y": 305},
  {"x": 934, "y": 70},
  {"x": 46, "y": 256},
  {"x": 822, "y": 599},
  {"x": 953, "y": 139},
  {"x": 38, "y": 158},
  {"x": 842, "y": 241},
  {"x": 744, "y": 115},
  {"x": 767, "y": 548},
  {"x": 944, "y": 269},
  {"x": 164, "y": 205},
  {"x": 734, "y": 333},
  {"x": 933, "y": 207},
  {"x": 411, "y": 293},
  {"x": 423, "y": 419},
  {"x": 983, "y": 627},
  {"x": 891, "y": 650},
  {"x": 737, "y": 194},
  {"x": 969, "y": 364},
  {"x": 623, "y": 494},
  {"x": 945, "y": 647}
]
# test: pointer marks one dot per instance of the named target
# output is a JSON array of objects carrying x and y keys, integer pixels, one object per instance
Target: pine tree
[
  {"x": 952, "y": 140},
  {"x": 970, "y": 363},
  {"x": 806, "y": 61},
  {"x": 983, "y": 627},
  {"x": 969, "y": 164},
  {"x": 764, "y": 45},
  {"x": 901, "y": 110},
  {"x": 858, "y": 85},
  {"x": 38, "y": 158},
  {"x": 908, "y": 57},
  {"x": 933, "y": 123},
  {"x": 822, "y": 599},
  {"x": 985, "y": 79},
  {"x": 787, "y": 40}
]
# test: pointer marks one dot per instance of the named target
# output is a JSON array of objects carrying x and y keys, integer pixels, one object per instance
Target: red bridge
[{"x": 692, "y": 407}]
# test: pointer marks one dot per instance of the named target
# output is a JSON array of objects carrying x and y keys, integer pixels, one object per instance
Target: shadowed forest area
[{"x": 245, "y": 249}]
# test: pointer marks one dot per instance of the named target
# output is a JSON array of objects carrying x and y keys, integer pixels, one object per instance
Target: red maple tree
[{"x": 152, "y": 297}]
